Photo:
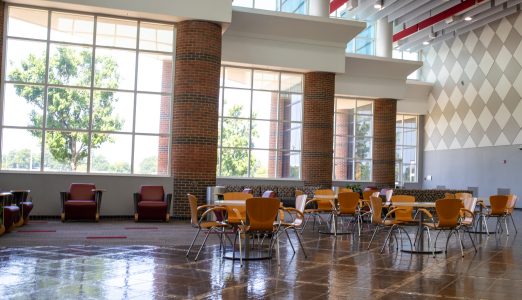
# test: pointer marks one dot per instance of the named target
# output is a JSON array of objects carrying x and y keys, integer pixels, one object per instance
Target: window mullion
[{"x": 91, "y": 109}]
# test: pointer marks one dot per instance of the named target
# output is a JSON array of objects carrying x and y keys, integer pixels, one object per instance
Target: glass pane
[
  {"x": 116, "y": 32},
  {"x": 410, "y": 137},
  {"x": 397, "y": 54},
  {"x": 364, "y": 126},
  {"x": 264, "y": 105},
  {"x": 67, "y": 151},
  {"x": 68, "y": 108},
  {"x": 152, "y": 113},
  {"x": 292, "y": 83},
  {"x": 343, "y": 169},
  {"x": 398, "y": 153},
  {"x": 344, "y": 124},
  {"x": 409, "y": 156},
  {"x": 264, "y": 134},
  {"x": 239, "y": 78},
  {"x": 408, "y": 172},
  {"x": 243, "y": 3},
  {"x": 151, "y": 155},
  {"x": 113, "y": 155},
  {"x": 343, "y": 146},
  {"x": 112, "y": 111},
  {"x": 27, "y": 22},
  {"x": 290, "y": 165},
  {"x": 21, "y": 149},
  {"x": 263, "y": 163},
  {"x": 398, "y": 136},
  {"x": 236, "y": 103},
  {"x": 156, "y": 37},
  {"x": 292, "y": 107},
  {"x": 235, "y": 133},
  {"x": 25, "y": 61},
  {"x": 295, "y": 6},
  {"x": 363, "y": 148},
  {"x": 234, "y": 162},
  {"x": 364, "y": 107},
  {"x": 70, "y": 65},
  {"x": 346, "y": 106},
  {"x": 72, "y": 28},
  {"x": 155, "y": 73},
  {"x": 115, "y": 69},
  {"x": 266, "y": 4},
  {"x": 290, "y": 136},
  {"x": 411, "y": 55},
  {"x": 398, "y": 174},
  {"x": 398, "y": 121},
  {"x": 362, "y": 170},
  {"x": 266, "y": 80},
  {"x": 410, "y": 121},
  {"x": 23, "y": 105}
]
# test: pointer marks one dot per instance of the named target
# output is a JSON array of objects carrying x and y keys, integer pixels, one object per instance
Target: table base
[
  {"x": 421, "y": 252},
  {"x": 335, "y": 233},
  {"x": 252, "y": 255}
]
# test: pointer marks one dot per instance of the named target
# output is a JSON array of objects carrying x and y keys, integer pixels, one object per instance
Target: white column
[
  {"x": 319, "y": 8},
  {"x": 383, "y": 38}
]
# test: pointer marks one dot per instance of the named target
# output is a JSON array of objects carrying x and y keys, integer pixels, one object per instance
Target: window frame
[
  {"x": 279, "y": 121},
  {"x": 354, "y": 138},
  {"x": 91, "y": 89},
  {"x": 399, "y": 164}
]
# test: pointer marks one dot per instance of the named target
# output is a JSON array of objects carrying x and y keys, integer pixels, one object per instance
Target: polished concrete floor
[{"x": 336, "y": 268}]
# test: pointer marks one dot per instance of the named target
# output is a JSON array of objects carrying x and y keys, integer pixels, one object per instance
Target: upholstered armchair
[
  {"x": 81, "y": 202},
  {"x": 152, "y": 204},
  {"x": 10, "y": 212},
  {"x": 25, "y": 203}
]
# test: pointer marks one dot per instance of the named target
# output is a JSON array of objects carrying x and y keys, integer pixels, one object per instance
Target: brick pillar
[
  {"x": 341, "y": 148},
  {"x": 385, "y": 113},
  {"x": 319, "y": 91},
  {"x": 195, "y": 111}
]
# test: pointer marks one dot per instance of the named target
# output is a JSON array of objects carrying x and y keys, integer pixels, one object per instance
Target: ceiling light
[
  {"x": 468, "y": 18},
  {"x": 425, "y": 43},
  {"x": 378, "y": 5}
]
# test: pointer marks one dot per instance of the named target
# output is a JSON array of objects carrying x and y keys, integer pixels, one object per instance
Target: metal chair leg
[
  {"x": 290, "y": 241},
  {"x": 472, "y": 241},
  {"x": 387, "y": 238},
  {"x": 447, "y": 241},
  {"x": 240, "y": 251},
  {"x": 373, "y": 235},
  {"x": 201, "y": 247},
  {"x": 513, "y": 221},
  {"x": 505, "y": 223},
  {"x": 193, "y": 241},
  {"x": 300, "y": 242}
]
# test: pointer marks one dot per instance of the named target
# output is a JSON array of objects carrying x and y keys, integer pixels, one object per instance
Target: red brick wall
[
  {"x": 164, "y": 121},
  {"x": 195, "y": 111},
  {"x": 385, "y": 112},
  {"x": 316, "y": 163}
]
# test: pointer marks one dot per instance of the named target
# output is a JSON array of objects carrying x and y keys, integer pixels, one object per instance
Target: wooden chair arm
[
  {"x": 238, "y": 215},
  {"x": 425, "y": 211},
  {"x": 205, "y": 206},
  {"x": 213, "y": 209},
  {"x": 291, "y": 210}
]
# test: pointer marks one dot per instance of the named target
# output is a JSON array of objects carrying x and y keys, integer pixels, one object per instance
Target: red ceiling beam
[
  {"x": 464, "y": 5},
  {"x": 335, "y": 4}
]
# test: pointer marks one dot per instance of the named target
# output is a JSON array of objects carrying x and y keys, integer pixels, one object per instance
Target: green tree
[
  {"x": 149, "y": 165},
  {"x": 68, "y": 108},
  {"x": 235, "y": 133},
  {"x": 21, "y": 159},
  {"x": 362, "y": 171}
]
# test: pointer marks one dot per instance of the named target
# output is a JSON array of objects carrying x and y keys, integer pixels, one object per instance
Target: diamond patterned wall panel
[{"x": 476, "y": 98}]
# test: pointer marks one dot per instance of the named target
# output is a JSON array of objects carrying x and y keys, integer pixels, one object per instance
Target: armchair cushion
[
  {"x": 81, "y": 202},
  {"x": 81, "y": 191},
  {"x": 151, "y": 193}
]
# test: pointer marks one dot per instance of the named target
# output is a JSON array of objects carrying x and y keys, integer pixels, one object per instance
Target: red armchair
[
  {"x": 151, "y": 204},
  {"x": 10, "y": 212},
  {"x": 82, "y": 202},
  {"x": 25, "y": 203}
]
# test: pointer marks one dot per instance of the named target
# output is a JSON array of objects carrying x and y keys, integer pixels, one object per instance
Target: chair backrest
[
  {"x": 512, "y": 201},
  {"x": 348, "y": 202},
  {"x": 345, "y": 190},
  {"x": 367, "y": 194},
  {"x": 376, "y": 206},
  {"x": 236, "y": 196},
  {"x": 449, "y": 196},
  {"x": 261, "y": 213},
  {"x": 298, "y": 193},
  {"x": 248, "y": 191},
  {"x": 152, "y": 193},
  {"x": 448, "y": 212},
  {"x": 406, "y": 213},
  {"x": 463, "y": 196},
  {"x": 269, "y": 194},
  {"x": 389, "y": 194},
  {"x": 20, "y": 195},
  {"x": 499, "y": 204},
  {"x": 81, "y": 191},
  {"x": 300, "y": 202},
  {"x": 324, "y": 204},
  {"x": 193, "y": 203},
  {"x": 469, "y": 204}
]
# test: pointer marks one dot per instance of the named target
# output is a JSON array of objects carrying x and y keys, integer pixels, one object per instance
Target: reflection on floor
[{"x": 337, "y": 267}]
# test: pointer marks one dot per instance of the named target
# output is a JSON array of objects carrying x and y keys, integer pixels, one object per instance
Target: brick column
[
  {"x": 195, "y": 111},
  {"x": 385, "y": 112},
  {"x": 319, "y": 91}
]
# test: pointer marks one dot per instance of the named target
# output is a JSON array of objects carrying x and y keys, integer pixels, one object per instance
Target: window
[
  {"x": 86, "y": 94},
  {"x": 289, "y": 6},
  {"x": 406, "y": 149},
  {"x": 364, "y": 42},
  {"x": 260, "y": 123},
  {"x": 353, "y": 139},
  {"x": 409, "y": 56}
]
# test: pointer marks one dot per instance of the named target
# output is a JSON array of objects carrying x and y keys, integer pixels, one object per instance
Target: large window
[
  {"x": 260, "y": 123},
  {"x": 353, "y": 139},
  {"x": 409, "y": 56},
  {"x": 85, "y": 93},
  {"x": 406, "y": 149},
  {"x": 289, "y": 6},
  {"x": 364, "y": 42}
]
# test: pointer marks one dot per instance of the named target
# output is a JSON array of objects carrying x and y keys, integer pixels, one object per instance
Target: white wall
[{"x": 46, "y": 188}]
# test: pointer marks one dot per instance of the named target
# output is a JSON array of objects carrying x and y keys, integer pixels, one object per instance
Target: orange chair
[
  {"x": 387, "y": 222},
  {"x": 297, "y": 216},
  {"x": 463, "y": 196},
  {"x": 512, "y": 201},
  {"x": 449, "y": 196},
  {"x": 201, "y": 224},
  {"x": 348, "y": 204},
  {"x": 324, "y": 199},
  {"x": 261, "y": 214},
  {"x": 499, "y": 208},
  {"x": 449, "y": 218},
  {"x": 240, "y": 197},
  {"x": 406, "y": 212},
  {"x": 345, "y": 190}
]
